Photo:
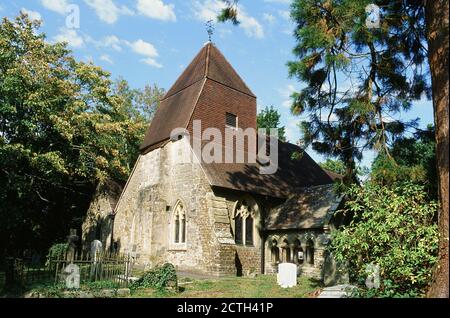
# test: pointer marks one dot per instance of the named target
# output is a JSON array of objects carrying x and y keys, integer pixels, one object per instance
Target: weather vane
[{"x": 210, "y": 28}]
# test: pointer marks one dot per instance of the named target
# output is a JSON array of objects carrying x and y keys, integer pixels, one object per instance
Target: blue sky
[{"x": 152, "y": 41}]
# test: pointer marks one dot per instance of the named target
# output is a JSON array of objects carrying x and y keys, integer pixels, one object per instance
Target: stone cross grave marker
[{"x": 287, "y": 275}]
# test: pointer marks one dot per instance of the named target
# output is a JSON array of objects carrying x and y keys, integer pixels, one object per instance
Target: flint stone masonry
[{"x": 144, "y": 215}]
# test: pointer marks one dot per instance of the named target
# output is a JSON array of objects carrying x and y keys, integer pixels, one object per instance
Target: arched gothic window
[
  {"x": 286, "y": 252},
  {"x": 275, "y": 252},
  {"x": 310, "y": 252},
  {"x": 298, "y": 253},
  {"x": 244, "y": 224},
  {"x": 179, "y": 223}
]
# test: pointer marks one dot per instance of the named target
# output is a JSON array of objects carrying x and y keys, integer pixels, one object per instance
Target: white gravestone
[
  {"x": 287, "y": 275},
  {"x": 73, "y": 276},
  {"x": 96, "y": 248}
]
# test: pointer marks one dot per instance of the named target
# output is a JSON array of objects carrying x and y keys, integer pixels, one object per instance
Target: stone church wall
[
  {"x": 301, "y": 240},
  {"x": 144, "y": 215}
]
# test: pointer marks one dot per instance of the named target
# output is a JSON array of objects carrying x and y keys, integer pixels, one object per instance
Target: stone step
[{"x": 338, "y": 291}]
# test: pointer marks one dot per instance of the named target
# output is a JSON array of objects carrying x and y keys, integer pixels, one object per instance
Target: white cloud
[
  {"x": 156, "y": 9},
  {"x": 269, "y": 18},
  {"x": 112, "y": 41},
  {"x": 70, "y": 36},
  {"x": 107, "y": 59},
  {"x": 58, "y": 6},
  {"x": 33, "y": 15},
  {"x": 152, "y": 62},
  {"x": 141, "y": 47},
  {"x": 107, "y": 10},
  {"x": 251, "y": 26},
  {"x": 146, "y": 49},
  {"x": 210, "y": 9}
]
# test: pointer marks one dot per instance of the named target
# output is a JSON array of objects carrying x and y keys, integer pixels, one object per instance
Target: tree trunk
[{"x": 436, "y": 13}]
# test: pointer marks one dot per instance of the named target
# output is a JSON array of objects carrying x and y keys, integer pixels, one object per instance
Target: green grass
[{"x": 263, "y": 286}]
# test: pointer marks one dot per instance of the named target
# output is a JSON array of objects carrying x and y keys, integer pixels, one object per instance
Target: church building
[{"x": 218, "y": 218}]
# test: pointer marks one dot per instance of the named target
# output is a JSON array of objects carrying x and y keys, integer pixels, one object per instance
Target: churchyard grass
[{"x": 262, "y": 286}]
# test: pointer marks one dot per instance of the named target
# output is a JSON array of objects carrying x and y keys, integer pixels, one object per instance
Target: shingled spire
[{"x": 179, "y": 104}]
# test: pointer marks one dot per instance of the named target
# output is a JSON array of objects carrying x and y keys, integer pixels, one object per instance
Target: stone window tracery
[
  {"x": 275, "y": 252},
  {"x": 310, "y": 252},
  {"x": 179, "y": 223},
  {"x": 244, "y": 224},
  {"x": 286, "y": 252},
  {"x": 298, "y": 252}
]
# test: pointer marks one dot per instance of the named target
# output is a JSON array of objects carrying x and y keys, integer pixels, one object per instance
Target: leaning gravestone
[
  {"x": 287, "y": 275},
  {"x": 72, "y": 278}
]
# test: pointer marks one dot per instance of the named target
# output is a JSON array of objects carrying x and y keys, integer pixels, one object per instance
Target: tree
[
  {"x": 438, "y": 50},
  {"x": 331, "y": 37},
  {"x": 270, "y": 118},
  {"x": 412, "y": 158},
  {"x": 336, "y": 166},
  {"x": 138, "y": 106},
  {"x": 63, "y": 129},
  {"x": 392, "y": 227}
]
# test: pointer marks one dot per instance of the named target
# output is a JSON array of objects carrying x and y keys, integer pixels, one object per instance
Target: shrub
[
  {"x": 395, "y": 228},
  {"x": 55, "y": 251},
  {"x": 158, "y": 278}
]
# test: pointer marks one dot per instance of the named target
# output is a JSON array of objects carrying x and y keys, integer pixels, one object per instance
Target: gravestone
[
  {"x": 72, "y": 279},
  {"x": 287, "y": 275},
  {"x": 96, "y": 250}
]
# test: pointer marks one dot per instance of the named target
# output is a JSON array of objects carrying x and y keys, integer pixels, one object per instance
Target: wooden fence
[
  {"x": 103, "y": 266},
  {"x": 20, "y": 272}
]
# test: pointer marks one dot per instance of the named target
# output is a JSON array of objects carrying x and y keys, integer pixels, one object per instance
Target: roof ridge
[
  {"x": 182, "y": 89},
  {"x": 208, "y": 52},
  {"x": 250, "y": 93},
  {"x": 231, "y": 87}
]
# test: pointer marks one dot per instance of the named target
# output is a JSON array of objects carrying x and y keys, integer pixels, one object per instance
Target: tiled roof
[
  {"x": 310, "y": 208},
  {"x": 291, "y": 175},
  {"x": 178, "y": 104}
]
